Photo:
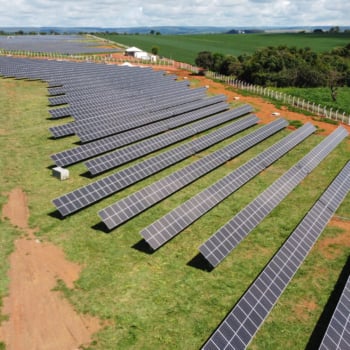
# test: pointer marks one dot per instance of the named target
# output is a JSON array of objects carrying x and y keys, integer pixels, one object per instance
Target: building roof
[{"x": 133, "y": 49}]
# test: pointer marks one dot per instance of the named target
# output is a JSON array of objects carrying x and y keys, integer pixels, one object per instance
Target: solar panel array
[
  {"x": 137, "y": 150},
  {"x": 97, "y": 190},
  {"x": 218, "y": 246},
  {"x": 114, "y": 107},
  {"x": 243, "y": 321},
  {"x": 178, "y": 219},
  {"x": 65, "y": 44},
  {"x": 137, "y": 202},
  {"x": 337, "y": 336},
  {"x": 94, "y": 148}
]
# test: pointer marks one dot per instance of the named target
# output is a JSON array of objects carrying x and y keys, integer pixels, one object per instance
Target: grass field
[
  {"x": 323, "y": 96},
  {"x": 185, "y": 48},
  {"x": 158, "y": 301}
]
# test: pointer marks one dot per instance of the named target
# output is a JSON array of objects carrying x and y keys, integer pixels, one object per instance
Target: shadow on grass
[
  {"x": 322, "y": 323},
  {"x": 199, "y": 262},
  {"x": 143, "y": 246},
  {"x": 101, "y": 227},
  {"x": 56, "y": 215},
  {"x": 87, "y": 175}
]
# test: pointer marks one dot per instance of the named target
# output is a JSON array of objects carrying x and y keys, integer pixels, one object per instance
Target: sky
[{"x": 136, "y": 13}]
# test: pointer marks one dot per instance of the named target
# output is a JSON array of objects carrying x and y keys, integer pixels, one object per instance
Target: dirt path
[{"x": 39, "y": 318}]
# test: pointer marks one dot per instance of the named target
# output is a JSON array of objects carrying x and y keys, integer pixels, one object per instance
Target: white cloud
[{"x": 123, "y": 13}]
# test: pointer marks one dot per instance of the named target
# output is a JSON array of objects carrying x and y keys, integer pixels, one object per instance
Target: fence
[
  {"x": 298, "y": 102},
  {"x": 105, "y": 58},
  {"x": 311, "y": 107}
]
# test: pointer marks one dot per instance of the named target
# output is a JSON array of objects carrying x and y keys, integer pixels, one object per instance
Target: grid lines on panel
[
  {"x": 241, "y": 324},
  {"x": 137, "y": 150},
  {"x": 178, "y": 219},
  {"x": 94, "y": 148},
  {"x": 139, "y": 201},
  {"x": 337, "y": 336},
  {"x": 219, "y": 245},
  {"x": 97, "y": 190},
  {"x": 112, "y": 126}
]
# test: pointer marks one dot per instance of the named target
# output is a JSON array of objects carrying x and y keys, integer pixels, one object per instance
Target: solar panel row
[
  {"x": 93, "y": 192},
  {"x": 132, "y": 205},
  {"x": 127, "y": 120},
  {"x": 94, "y": 148},
  {"x": 243, "y": 321},
  {"x": 65, "y": 44},
  {"x": 218, "y": 246},
  {"x": 337, "y": 336},
  {"x": 125, "y": 107},
  {"x": 97, "y": 130},
  {"x": 184, "y": 215},
  {"x": 137, "y": 150}
]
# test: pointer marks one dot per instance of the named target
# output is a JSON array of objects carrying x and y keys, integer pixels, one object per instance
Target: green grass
[
  {"x": 185, "y": 48},
  {"x": 323, "y": 97},
  {"x": 158, "y": 301}
]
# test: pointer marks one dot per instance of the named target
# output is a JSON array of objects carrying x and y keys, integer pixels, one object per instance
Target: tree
[
  {"x": 231, "y": 66},
  {"x": 334, "y": 29},
  {"x": 204, "y": 60},
  {"x": 218, "y": 58},
  {"x": 151, "y": 32},
  {"x": 155, "y": 50}
]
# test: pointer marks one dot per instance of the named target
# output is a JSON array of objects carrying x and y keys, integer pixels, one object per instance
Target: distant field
[{"x": 185, "y": 48}]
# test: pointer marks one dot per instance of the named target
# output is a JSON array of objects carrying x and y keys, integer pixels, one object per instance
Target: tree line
[{"x": 284, "y": 66}]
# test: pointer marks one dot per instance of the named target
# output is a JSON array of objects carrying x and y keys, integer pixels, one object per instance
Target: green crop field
[
  {"x": 159, "y": 301},
  {"x": 184, "y": 48}
]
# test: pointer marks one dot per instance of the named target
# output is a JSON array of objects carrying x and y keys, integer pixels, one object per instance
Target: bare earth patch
[
  {"x": 330, "y": 246},
  {"x": 40, "y": 318}
]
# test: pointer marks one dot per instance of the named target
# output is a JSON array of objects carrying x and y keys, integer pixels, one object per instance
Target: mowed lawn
[
  {"x": 185, "y": 48},
  {"x": 161, "y": 301}
]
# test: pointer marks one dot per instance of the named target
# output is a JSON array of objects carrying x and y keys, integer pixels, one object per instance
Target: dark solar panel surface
[
  {"x": 93, "y": 192},
  {"x": 132, "y": 205},
  {"x": 243, "y": 321},
  {"x": 337, "y": 336},
  {"x": 65, "y": 44},
  {"x": 106, "y": 144},
  {"x": 218, "y": 246},
  {"x": 178, "y": 219},
  {"x": 147, "y": 146}
]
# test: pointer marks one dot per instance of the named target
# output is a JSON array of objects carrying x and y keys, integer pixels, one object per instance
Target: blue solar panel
[
  {"x": 243, "y": 321},
  {"x": 178, "y": 219},
  {"x": 337, "y": 336},
  {"x": 218, "y": 246},
  {"x": 132, "y": 205}
]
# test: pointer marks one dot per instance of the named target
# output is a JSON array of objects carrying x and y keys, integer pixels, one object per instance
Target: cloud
[{"x": 127, "y": 13}]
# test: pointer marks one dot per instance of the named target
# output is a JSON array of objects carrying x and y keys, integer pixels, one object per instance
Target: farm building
[{"x": 138, "y": 53}]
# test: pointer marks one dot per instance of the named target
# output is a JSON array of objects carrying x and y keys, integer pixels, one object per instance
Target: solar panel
[
  {"x": 337, "y": 336},
  {"x": 147, "y": 146},
  {"x": 243, "y": 321},
  {"x": 93, "y": 192},
  {"x": 178, "y": 219},
  {"x": 219, "y": 245},
  {"x": 132, "y": 205},
  {"x": 94, "y": 148},
  {"x": 98, "y": 130}
]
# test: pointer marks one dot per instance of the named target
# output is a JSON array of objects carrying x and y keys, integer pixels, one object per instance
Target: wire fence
[
  {"x": 312, "y": 107},
  {"x": 302, "y": 104},
  {"x": 101, "y": 58}
]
